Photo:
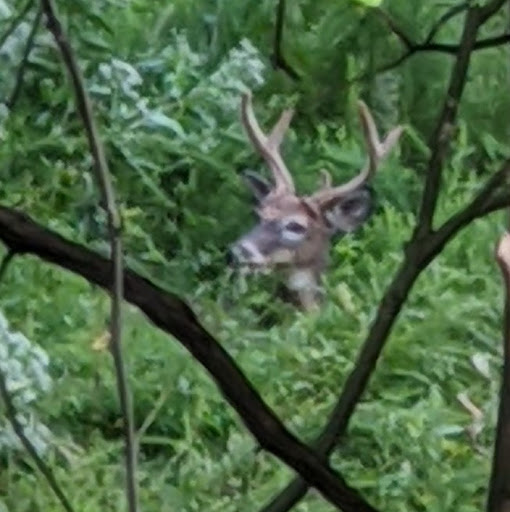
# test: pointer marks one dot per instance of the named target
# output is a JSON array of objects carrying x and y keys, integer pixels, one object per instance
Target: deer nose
[{"x": 242, "y": 253}]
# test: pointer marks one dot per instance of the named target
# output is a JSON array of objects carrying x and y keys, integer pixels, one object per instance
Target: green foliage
[
  {"x": 165, "y": 78},
  {"x": 25, "y": 367}
]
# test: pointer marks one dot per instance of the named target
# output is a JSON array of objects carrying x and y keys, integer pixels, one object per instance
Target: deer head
[{"x": 294, "y": 232}]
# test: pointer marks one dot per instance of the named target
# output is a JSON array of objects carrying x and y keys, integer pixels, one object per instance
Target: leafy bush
[
  {"x": 165, "y": 79},
  {"x": 25, "y": 368}
]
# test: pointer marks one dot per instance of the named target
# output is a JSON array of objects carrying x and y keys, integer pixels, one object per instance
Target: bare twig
[
  {"x": 445, "y": 18},
  {"x": 279, "y": 61},
  {"x": 20, "y": 75},
  {"x": 15, "y": 22},
  {"x": 12, "y": 416},
  {"x": 172, "y": 315},
  {"x": 406, "y": 40},
  {"x": 428, "y": 45},
  {"x": 499, "y": 487},
  {"x": 440, "y": 140},
  {"x": 449, "y": 49},
  {"x": 498, "y": 497},
  {"x": 29, "y": 447},
  {"x": 114, "y": 230}
]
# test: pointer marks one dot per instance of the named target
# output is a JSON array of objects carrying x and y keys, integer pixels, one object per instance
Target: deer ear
[
  {"x": 259, "y": 187},
  {"x": 347, "y": 213}
]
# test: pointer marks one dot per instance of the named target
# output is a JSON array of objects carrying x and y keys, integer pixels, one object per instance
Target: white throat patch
[{"x": 302, "y": 280}]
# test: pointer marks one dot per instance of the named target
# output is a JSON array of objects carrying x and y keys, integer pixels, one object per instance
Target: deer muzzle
[{"x": 260, "y": 247}]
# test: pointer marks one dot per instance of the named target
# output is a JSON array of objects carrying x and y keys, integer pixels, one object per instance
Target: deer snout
[{"x": 244, "y": 253}]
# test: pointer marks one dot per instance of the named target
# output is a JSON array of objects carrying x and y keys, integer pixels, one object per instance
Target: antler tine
[
  {"x": 377, "y": 151},
  {"x": 269, "y": 147}
]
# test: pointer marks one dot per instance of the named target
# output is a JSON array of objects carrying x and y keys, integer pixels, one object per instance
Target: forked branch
[{"x": 428, "y": 45}]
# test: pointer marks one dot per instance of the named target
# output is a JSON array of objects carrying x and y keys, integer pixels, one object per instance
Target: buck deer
[{"x": 294, "y": 232}]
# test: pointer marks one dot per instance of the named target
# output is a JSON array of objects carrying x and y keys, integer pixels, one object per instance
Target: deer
[{"x": 294, "y": 232}]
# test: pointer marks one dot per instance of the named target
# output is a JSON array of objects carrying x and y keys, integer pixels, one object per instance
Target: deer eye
[
  {"x": 295, "y": 227},
  {"x": 293, "y": 231}
]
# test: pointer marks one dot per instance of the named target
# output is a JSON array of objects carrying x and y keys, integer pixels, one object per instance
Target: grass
[{"x": 407, "y": 446}]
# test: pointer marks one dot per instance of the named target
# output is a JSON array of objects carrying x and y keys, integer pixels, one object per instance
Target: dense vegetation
[{"x": 165, "y": 79}]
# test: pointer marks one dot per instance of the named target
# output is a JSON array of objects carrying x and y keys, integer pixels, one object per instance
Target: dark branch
[
  {"x": 406, "y": 40},
  {"x": 20, "y": 75},
  {"x": 444, "y": 19},
  {"x": 15, "y": 22},
  {"x": 169, "y": 313},
  {"x": 440, "y": 140},
  {"x": 29, "y": 447},
  {"x": 419, "y": 254},
  {"x": 278, "y": 60},
  {"x": 12, "y": 416},
  {"x": 450, "y": 49},
  {"x": 428, "y": 45},
  {"x": 498, "y": 497},
  {"x": 114, "y": 230},
  {"x": 499, "y": 487}
]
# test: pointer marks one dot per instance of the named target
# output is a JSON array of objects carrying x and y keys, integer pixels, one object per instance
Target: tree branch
[
  {"x": 406, "y": 40},
  {"x": 445, "y": 18},
  {"x": 114, "y": 231},
  {"x": 440, "y": 140},
  {"x": 21, "y": 234},
  {"x": 419, "y": 254},
  {"x": 20, "y": 75},
  {"x": 277, "y": 58},
  {"x": 499, "y": 487},
  {"x": 498, "y": 496},
  {"x": 428, "y": 45},
  {"x": 12, "y": 416},
  {"x": 15, "y": 22},
  {"x": 29, "y": 447}
]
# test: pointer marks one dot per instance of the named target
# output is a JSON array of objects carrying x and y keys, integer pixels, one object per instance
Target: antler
[
  {"x": 377, "y": 151},
  {"x": 269, "y": 146}
]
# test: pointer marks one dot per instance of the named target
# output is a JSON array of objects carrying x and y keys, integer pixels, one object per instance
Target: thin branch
[
  {"x": 428, "y": 45},
  {"x": 279, "y": 61},
  {"x": 20, "y": 75},
  {"x": 406, "y": 40},
  {"x": 499, "y": 487},
  {"x": 445, "y": 18},
  {"x": 15, "y": 22},
  {"x": 440, "y": 140},
  {"x": 498, "y": 497},
  {"x": 29, "y": 447},
  {"x": 12, "y": 416},
  {"x": 449, "y": 49},
  {"x": 171, "y": 314},
  {"x": 114, "y": 230}
]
